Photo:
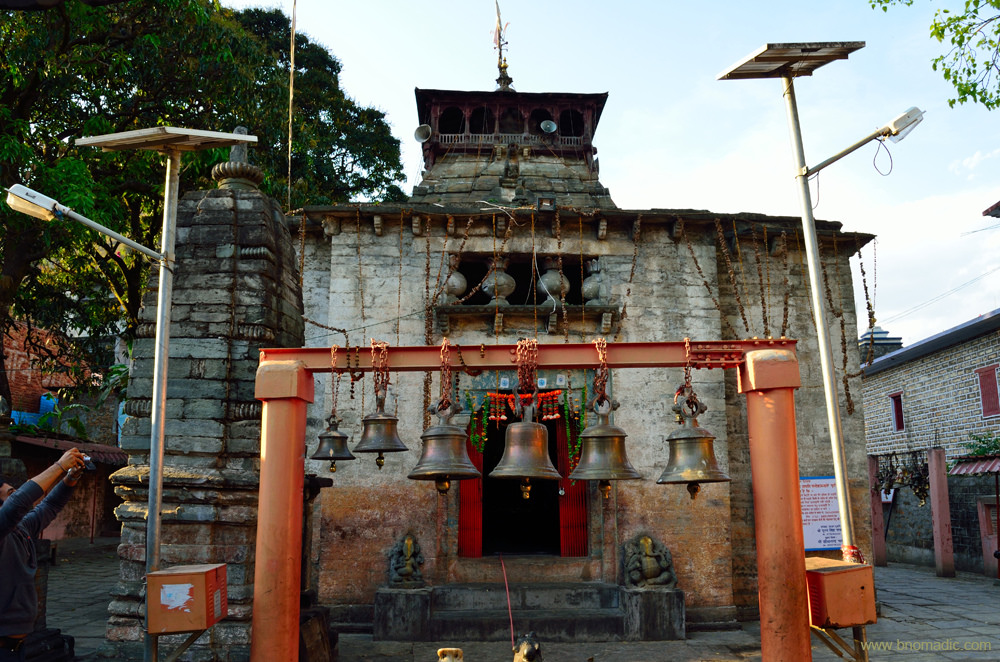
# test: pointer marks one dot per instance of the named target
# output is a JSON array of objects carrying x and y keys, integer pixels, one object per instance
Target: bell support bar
[{"x": 675, "y": 354}]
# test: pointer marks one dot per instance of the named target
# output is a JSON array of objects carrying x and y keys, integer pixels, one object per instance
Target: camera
[{"x": 88, "y": 464}]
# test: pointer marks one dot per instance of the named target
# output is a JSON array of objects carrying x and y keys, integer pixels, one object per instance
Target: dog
[{"x": 528, "y": 649}]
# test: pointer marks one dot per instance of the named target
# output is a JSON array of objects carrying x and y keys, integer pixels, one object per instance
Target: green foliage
[
  {"x": 78, "y": 70},
  {"x": 972, "y": 63},
  {"x": 987, "y": 443},
  {"x": 54, "y": 421}
]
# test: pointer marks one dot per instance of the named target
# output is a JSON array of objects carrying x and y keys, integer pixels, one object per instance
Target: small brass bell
[
  {"x": 332, "y": 445},
  {"x": 526, "y": 451},
  {"x": 692, "y": 457},
  {"x": 444, "y": 457},
  {"x": 602, "y": 451},
  {"x": 378, "y": 434}
]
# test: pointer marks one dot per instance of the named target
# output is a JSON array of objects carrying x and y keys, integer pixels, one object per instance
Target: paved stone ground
[
  {"x": 923, "y": 618},
  {"x": 79, "y": 587}
]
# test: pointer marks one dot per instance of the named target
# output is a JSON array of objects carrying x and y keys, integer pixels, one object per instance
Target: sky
[{"x": 673, "y": 136}]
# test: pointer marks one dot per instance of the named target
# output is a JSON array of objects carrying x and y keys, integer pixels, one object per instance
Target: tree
[
  {"x": 77, "y": 70},
  {"x": 972, "y": 64}
]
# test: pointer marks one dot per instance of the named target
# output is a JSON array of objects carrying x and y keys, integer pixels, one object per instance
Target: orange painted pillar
[
  {"x": 944, "y": 554},
  {"x": 879, "y": 555},
  {"x": 768, "y": 377},
  {"x": 285, "y": 387}
]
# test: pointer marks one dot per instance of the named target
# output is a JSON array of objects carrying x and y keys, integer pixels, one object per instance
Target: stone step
[
  {"x": 541, "y": 596},
  {"x": 555, "y": 625}
]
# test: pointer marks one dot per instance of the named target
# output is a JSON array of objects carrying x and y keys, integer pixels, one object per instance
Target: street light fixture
[
  {"x": 170, "y": 141},
  {"x": 23, "y": 199},
  {"x": 788, "y": 61}
]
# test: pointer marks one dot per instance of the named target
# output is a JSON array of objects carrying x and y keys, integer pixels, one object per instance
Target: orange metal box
[
  {"x": 186, "y": 598},
  {"x": 841, "y": 594}
]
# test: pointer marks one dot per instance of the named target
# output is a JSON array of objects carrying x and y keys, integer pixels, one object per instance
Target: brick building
[{"x": 935, "y": 393}]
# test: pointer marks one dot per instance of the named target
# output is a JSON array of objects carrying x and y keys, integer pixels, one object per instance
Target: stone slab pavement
[{"x": 923, "y": 618}]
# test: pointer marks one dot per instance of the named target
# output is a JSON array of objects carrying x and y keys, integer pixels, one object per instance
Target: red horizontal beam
[{"x": 697, "y": 354}]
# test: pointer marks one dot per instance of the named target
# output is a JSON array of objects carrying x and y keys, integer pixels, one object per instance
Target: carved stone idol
[
  {"x": 648, "y": 564},
  {"x": 405, "y": 560}
]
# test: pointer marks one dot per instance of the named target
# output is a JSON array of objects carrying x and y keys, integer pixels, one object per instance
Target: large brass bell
[
  {"x": 526, "y": 451},
  {"x": 332, "y": 445},
  {"x": 692, "y": 457},
  {"x": 444, "y": 457},
  {"x": 602, "y": 451},
  {"x": 378, "y": 434}
]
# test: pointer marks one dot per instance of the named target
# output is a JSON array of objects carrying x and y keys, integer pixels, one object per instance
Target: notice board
[{"x": 820, "y": 514}]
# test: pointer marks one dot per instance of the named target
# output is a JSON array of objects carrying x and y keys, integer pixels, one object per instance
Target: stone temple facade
[
  {"x": 510, "y": 196},
  {"x": 511, "y": 183}
]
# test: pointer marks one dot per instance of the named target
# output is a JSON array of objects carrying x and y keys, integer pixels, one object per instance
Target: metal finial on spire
[{"x": 499, "y": 41}]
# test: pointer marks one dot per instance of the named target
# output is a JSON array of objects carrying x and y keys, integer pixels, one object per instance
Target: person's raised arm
[{"x": 71, "y": 459}]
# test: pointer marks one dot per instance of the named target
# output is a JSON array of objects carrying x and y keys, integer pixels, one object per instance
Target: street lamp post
[
  {"x": 787, "y": 61},
  {"x": 169, "y": 141}
]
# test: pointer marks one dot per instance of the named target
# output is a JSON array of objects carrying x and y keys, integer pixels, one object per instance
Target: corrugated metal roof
[
  {"x": 98, "y": 452},
  {"x": 970, "y": 465}
]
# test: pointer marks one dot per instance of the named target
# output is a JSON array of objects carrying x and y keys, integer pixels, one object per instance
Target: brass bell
[
  {"x": 332, "y": 445},
  {"x": 692, "y": 457},
  {"x": 602, "y": 451},
  {"x": 378, "y": 434},
  {"x": 526, "y": 452},
  {"x": 444, "y": 457}
]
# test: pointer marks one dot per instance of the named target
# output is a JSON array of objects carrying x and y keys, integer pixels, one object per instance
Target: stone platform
[{"x": 590, "y": 611}]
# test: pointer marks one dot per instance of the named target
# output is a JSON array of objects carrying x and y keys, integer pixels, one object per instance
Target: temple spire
[{"x": 499, "y": 41}]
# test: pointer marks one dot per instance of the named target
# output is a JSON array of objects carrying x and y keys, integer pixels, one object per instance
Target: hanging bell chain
[{"x": 692, "y": 457}]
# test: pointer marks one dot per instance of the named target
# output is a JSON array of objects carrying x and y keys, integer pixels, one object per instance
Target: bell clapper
[
  {"x": 333, "y": 466},
  {"x": 525, "y": 488},
  {"x": 380, "y": 461},
  {"x": 693, "y": 489},
  {"x": 605, "y": 487},
  {"x": 442, "y": 485}
]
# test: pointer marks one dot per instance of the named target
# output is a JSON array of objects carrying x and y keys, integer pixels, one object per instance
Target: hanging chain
[
  {"x": 445, "y": 376},
  {"x": 704, "y": 281},
  {"x": 636, "y": 229},
  {"x": 334, "y": 382},
  {"x": 724, "y": 245},
  {"x": 361, "y": 275},
  {"x": 380, "y": 368},
  {"x": 868, "y": 305},
  {"x": 527, "y": 364},
  {"x": 601, "y": 375},
  {"x": 687, "y": 364},
  {"x": 785, "y": 284},
  {"x": 760, "y": 280}
]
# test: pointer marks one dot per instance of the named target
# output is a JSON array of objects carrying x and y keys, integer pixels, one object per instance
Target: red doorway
[{"x": 492, "y": 513}]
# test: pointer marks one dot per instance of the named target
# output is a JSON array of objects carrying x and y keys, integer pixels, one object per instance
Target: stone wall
[
  {"x": 236, "y": 291},
  {"x": 379, "y": 274},
  {"x": 910, "y": 538}
]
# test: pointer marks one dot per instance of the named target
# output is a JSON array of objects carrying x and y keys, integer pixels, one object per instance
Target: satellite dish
[
  {"x": 548, "y": 126},
  {"x": 423, "y": 133}
]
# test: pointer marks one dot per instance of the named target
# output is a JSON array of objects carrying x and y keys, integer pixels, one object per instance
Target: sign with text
[{"x": 820, "y": 514}]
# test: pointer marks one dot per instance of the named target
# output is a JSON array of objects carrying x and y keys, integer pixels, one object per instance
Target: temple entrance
[
  {"x": 495, "y": 519},
  {"x": 512, "y": 524}
]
